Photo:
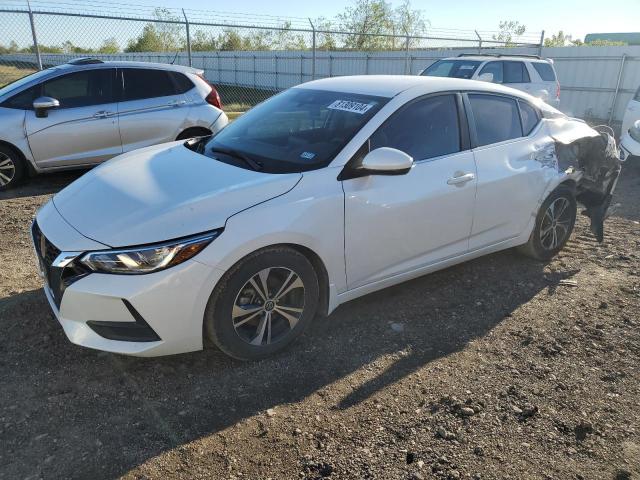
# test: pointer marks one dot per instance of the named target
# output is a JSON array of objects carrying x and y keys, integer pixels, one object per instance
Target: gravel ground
[{"x": 499, "y": 368}]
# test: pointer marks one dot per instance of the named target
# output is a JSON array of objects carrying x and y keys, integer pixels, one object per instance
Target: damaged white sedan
[{"x": 323, "y": 193}]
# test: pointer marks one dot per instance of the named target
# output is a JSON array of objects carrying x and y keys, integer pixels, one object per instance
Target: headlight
[
  {"x": 634, "y": 131},
  {"x": 152, "y": 258}
]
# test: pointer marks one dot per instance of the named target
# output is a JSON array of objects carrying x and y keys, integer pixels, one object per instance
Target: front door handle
[
  {"x": 102, "y": 114},
  {"x": 460, "y": 178},
  {"x": 177, "y": 103}
]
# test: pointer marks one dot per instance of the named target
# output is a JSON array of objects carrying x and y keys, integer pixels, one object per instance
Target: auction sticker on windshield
[{"x": 349, "y": 106}]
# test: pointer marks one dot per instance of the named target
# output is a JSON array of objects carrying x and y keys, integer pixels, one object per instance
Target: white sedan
[{"x": 324, "y": 193}]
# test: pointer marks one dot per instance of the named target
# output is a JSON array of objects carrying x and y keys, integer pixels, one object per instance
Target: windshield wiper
[{"x": 257, "y": 166}]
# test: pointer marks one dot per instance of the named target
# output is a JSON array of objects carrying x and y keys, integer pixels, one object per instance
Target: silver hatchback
[{"x": 87, "y": 111}]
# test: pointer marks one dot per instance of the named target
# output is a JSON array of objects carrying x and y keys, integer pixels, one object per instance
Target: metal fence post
[
  {"x": 479, "y": 40},
  {"x": 313, "y": 50},
  {"x": 366, "y": 65},
  {"x": 618, "y": 82},
  {"x": 35, "y": 37},
  {"x": 330, "y": 66},
  {"x": 406, "y": 56},
  {"x": 186, "y": 21},
  {"x": 541, "y": 43}
]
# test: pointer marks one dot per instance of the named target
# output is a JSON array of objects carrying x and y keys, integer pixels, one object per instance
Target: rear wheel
[
  {"x": 554, "y": 225},
  {"x": 262, "y": 304},
  {"x": 12, "y": 167}
]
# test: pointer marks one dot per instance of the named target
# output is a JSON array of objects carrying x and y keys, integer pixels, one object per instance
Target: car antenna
[{"x": 175, "y": 57}]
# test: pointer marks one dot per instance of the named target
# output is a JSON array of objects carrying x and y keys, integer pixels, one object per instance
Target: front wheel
[
  {"x": 12, "y": 168},
  {"x": 554, "y": 225},
  {"x": 262, "y": 304}
]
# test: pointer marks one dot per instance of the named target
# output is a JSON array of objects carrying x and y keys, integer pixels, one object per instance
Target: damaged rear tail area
[{"x": 590, "y": 156}]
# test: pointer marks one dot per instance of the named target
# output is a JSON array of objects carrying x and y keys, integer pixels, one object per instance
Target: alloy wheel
[
  {"x": 556, "y": 224},
  {"x": 268, "y": 306},
  {"x": 7, "y": 169}
]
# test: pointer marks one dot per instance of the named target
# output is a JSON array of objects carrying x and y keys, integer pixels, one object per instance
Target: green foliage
[
  {"x": 562, "y": 40},
  {"x": 507, "y": 30},
  {"x": 160, "y": 36}
]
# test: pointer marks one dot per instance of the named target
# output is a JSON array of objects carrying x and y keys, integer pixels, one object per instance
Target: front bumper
[{"x": 167, "y": 307}]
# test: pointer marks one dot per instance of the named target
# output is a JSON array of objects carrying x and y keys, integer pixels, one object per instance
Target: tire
[
  {"x": 193, "y": 132},
  {"x": 542, "y": 245},
  {"x": 245, "y": 323},
  {"x": 12, "y": 167}
]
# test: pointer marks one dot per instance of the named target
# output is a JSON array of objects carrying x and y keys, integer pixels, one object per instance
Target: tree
[
  {"x": 201, "y": 42},
  {"x": 558, "y": 40},
  {"x": 507, "y": 30},
  {"x": 325, "y": 40},
  {"x": 160, "y": 36},
  {"x": 369, "y": 20},
  {"x": 109, "y": 46},
  {"x": 230, "y": 40},
  {"x": 410, "y": 22},
  {"x": 148, "y": 41}
]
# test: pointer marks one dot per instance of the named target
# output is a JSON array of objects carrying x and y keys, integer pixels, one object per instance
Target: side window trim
[{"x": 472, "y": 120}]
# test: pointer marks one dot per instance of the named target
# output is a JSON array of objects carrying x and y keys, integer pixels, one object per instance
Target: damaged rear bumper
[{"x": 592, "y": 158}]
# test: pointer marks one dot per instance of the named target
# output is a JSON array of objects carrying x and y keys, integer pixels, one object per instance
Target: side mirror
[
  {"x": 42, "y": 105},
  {"x": 387, "y": 161},
  {"x": 486, "y": 77}
]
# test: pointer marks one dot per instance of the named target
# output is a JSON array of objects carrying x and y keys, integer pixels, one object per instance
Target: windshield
[
  {"x": 22, "y": 81},
  {"x": 300, "y": 129},
  {"x": 452, "y": 68}
]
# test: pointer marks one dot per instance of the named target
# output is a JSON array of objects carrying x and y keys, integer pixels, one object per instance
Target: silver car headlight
[
  {"x": 147, "y": 259},
  {"x": 634, "y": 131}
]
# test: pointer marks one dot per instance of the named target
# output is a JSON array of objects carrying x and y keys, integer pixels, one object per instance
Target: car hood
[{"x": 161, "y": 193}]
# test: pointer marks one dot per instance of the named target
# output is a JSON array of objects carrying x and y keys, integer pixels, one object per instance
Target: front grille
[{"x": 58, "y": 279}]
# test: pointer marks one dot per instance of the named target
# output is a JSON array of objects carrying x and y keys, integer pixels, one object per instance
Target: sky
[{"x": 573, "y": 17}]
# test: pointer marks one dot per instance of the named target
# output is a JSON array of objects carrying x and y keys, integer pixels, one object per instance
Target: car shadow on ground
[
  {"x": 70, "y": 412},
  {"x": 45, "y": 184}
]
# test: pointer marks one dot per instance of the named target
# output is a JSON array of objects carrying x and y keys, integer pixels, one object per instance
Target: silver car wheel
[
  {"x": 555, "y": 224},
  {"x": 268, "y": 306},
  {"x": 7, "y": 169}
]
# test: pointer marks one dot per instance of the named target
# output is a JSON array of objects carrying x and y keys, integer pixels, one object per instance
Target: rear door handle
[
  {"x": 102, "y": 114},
  {"x": 460, "y": 178}
]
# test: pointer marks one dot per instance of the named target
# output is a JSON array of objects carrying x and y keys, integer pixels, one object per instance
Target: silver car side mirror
[
  {"x": 42, "y": 105},
  {"x": 387, "y": 161}
]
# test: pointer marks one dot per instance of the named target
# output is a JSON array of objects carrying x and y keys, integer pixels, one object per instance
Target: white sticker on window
[
  {"x": 349, "y": 106},
  {"x": 307, "y": 155},
  {"x": 467, "y": 67}
]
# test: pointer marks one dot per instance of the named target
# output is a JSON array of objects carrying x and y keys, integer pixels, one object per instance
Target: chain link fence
[{"x": 246, "y": 62}]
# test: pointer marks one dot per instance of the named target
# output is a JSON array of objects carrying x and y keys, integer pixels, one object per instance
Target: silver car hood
[{"x": 161, "y": 193}]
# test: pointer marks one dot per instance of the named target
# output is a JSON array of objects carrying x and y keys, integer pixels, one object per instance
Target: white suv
[
  {"x": 87, "y": 111},
  {"x": 530, "y": 73}
]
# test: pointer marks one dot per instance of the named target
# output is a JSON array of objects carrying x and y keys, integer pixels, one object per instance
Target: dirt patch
[{"x": 498, "y": 368}]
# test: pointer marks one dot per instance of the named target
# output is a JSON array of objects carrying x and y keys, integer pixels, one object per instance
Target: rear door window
[
  {"x": 141, "y": 83},
  {"x": 545, "y": 71},
  {"x": 496, "y": 118},
  {"x": 424, "y": 129},
  {"x": 81, "y": 89},
  {"x": 183, "y": 84},
  {"x": 494, "y": 68},
  {"x": 529, "y": 115},
  {"x": 516, "y": 72}
]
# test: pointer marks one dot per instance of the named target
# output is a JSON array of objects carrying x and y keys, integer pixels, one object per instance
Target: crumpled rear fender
[{"x": 592, "y": 158}]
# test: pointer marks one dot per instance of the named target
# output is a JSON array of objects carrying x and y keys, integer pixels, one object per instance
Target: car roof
[
  {"x": 391, "y": 85},
  {"x": 128, "y": 64}
]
